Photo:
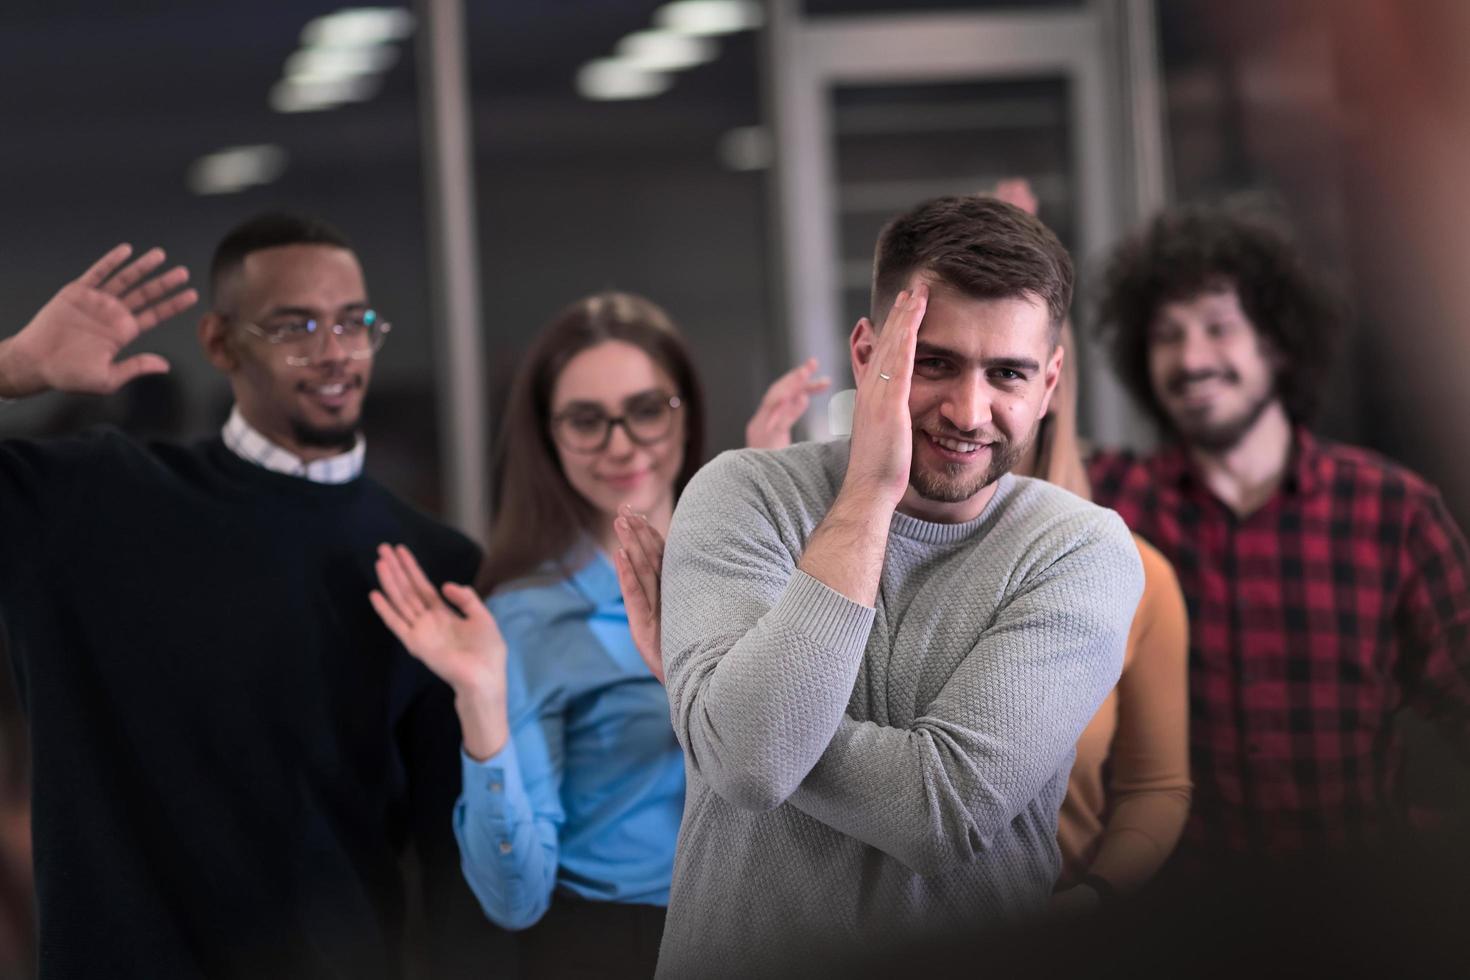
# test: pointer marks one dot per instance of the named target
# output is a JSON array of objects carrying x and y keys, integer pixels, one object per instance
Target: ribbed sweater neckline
[{"x": 933, "y": 532}]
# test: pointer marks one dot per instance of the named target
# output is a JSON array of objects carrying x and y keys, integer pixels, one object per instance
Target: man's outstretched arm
[{"x": 72, "y": 344}]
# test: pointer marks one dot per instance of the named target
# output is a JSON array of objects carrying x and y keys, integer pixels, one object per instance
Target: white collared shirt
[{"x": 246, "y": 442}]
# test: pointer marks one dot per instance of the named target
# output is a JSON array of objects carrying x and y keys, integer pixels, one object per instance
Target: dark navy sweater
[{"x": 230, "y": 753}]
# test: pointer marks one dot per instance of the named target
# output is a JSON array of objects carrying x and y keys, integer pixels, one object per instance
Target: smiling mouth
[
  {"x": 1185, "y": 387},
  {"x": 336, "y": 387},
  {"x": 1198, "y": 394},
  {"x": 955, "y": 447},
  {"x": 333, "y": 394},
  {"x": 626, "y": 477}
]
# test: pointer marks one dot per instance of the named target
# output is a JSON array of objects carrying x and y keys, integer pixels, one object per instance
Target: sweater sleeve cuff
[
  {"x": 822, "y": 614},
  {"x": 489, "y": 786}
]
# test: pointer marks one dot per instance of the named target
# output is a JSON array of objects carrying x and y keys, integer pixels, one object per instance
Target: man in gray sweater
[{"x": 881, "y": 652}]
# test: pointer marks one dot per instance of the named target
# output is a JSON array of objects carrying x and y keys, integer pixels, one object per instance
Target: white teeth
[
  {"x": 330, "y": 390},
  {"x": 955, "y": 446}
]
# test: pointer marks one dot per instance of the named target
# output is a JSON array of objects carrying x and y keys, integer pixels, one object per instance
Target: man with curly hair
[{"x": 1327, "y": 587}]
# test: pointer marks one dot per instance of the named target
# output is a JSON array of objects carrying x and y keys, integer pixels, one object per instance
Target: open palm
[
  {"x": 75, "y": 339},
  {"x": 457, "y": 639},
  {"x": 783, "y": 405}
]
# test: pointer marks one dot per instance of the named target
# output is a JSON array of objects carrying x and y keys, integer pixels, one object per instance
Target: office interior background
[{"x": 734, "y": 165}]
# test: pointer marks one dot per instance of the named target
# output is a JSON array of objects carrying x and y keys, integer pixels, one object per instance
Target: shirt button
[
  {"x": 495, "y": 787},
  {"x": 505, "y": 847}
]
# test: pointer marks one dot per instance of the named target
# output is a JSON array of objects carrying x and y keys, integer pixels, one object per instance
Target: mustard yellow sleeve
[{"x": 1149, "y": 787}]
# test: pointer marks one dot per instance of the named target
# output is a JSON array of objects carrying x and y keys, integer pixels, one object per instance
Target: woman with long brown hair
[
  {"x": 1128, "y": 796},
  {"x": 573, "y": 781}
]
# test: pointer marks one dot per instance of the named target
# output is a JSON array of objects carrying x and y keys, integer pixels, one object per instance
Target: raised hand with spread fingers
[
  {"x": 452, "y": 634},
  {"x": 73, "y": 342},
  {"x": 783, "y": 405}
]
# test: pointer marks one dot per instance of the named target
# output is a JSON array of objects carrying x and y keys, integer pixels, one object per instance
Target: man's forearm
[
  {"x": 934, "y": 790},
  {"x": 845, "y": 552}
]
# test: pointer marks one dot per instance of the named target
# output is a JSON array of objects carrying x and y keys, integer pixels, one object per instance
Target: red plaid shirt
[{"x": 1312, "y": 621}]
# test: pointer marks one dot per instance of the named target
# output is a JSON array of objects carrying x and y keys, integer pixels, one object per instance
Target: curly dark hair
[{"x": 1188, "y": 251}]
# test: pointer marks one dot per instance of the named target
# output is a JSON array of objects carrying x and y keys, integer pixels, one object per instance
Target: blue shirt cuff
[{"x": 487, "y": 785}]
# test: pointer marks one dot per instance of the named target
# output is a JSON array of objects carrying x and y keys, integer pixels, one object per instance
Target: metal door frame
[{"x": 1104, "y": 49}]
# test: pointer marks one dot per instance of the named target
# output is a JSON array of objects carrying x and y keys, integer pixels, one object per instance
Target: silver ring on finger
[{"x": 885, "y": 377}]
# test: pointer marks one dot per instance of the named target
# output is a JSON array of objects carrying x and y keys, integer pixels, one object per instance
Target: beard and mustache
[
  {"x": 342, "y": 435},
  {"x": 951, "y": 483},
  {"x": 1214, "y": 436},
  {"x": 324, "y": 437}
]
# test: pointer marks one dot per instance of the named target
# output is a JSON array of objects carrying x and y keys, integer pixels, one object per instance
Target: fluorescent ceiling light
[
  {"x": 358, "y": 27},
  {"x": 311, "y": 96},
  {"x": 709, "y": 17},
  {"x": 747, "y": 148},
  {"x": 330, "y": 64},
  {"x": 611, "y": 78},
  {"x": 663, "y": 51},
  {"x": 236, "y": 168}
]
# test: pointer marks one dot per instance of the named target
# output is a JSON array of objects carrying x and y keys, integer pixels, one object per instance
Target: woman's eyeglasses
[{"x": 647, "y": 419}]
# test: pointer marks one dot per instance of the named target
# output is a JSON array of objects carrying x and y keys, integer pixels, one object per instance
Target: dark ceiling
[{"x": 151, "y": 86}]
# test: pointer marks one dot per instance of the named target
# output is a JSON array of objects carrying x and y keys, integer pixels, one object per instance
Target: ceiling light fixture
[
  {"x": 709, "y": 17},
  {"x": 747, "y": 148},
  {"x": 330, "y": 64},
  {"x": 311, "y": 96},
  {"x": 612, "y": 78},
  {"x": 663, "y": 51},
  {"x": 358, "y": 27},
  {"x": 236, "y": 168}
]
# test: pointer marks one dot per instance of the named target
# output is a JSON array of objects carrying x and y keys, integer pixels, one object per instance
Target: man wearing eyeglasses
[
  {"x": 230, "y": 753},
  {"x": 293, "y": 330}
]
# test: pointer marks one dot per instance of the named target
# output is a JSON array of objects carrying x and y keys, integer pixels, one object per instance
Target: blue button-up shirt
[{"x": 587, "y": 794}]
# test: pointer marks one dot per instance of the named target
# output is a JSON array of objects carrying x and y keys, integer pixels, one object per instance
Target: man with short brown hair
[{"x": 880, "y": 652}]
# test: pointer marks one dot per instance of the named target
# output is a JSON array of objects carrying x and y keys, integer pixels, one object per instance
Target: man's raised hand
[
  {"x": 73, "y": 342},
  {"x": 457, "y": 639},
  {"x": 882, "y": 430}
]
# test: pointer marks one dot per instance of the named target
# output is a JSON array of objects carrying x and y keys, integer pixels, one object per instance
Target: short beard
[
  {"x": 1221, "y": 437},
  {"x": 945, "y": 486},
  {"x": 342, "y": 437}
]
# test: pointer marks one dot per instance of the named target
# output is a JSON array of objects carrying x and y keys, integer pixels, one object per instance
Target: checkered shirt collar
[
  {"x": 1305, "y": 474},
  {"x": 247, "y": 443}
]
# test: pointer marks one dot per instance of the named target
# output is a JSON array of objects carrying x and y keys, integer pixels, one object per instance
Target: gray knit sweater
[{"x": 866, "y": 775}]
